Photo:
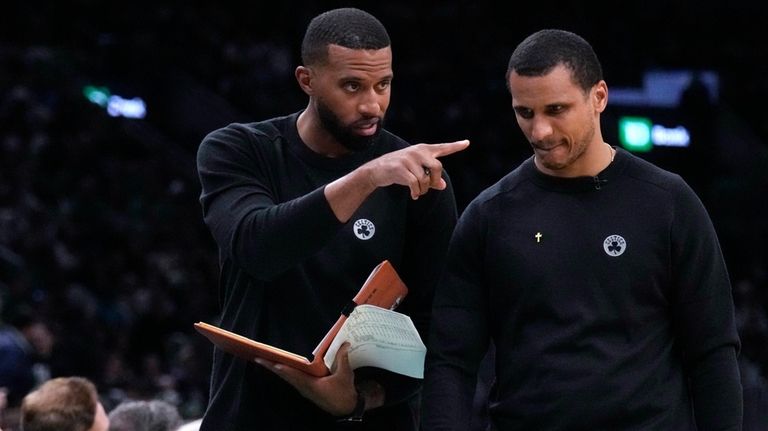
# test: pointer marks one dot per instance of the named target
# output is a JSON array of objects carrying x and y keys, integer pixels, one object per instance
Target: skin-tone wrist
[{"x": 373, "y": 392}]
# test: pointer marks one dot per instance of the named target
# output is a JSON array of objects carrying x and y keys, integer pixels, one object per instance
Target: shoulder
[
  {"x": 245, "y": 138},
  {"x": 668, "y": 191},
  {"x": 508, "y": 187},
  {"x": 11, "y": 342},
  {"x": 645, "y": 173},
  {"x": 234, "y": 132}
]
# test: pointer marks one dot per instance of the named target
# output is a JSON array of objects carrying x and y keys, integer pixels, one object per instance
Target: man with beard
[
  {"x": 597, "y": 275},
  {"x": 302, "y": 208}
]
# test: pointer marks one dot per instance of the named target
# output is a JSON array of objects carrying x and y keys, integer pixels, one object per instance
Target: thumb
[{"x": 341, "y": 364}]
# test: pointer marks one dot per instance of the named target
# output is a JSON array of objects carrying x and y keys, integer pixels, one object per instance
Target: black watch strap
[{"x": 357, "y": 413}]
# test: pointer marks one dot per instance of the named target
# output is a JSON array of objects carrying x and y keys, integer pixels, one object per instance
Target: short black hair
[
  {"x": 542, "y": 51},
  {"x": 347, "y": 27}
]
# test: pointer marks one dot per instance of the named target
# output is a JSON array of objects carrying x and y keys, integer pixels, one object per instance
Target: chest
[{"x": 580, "y": 247}]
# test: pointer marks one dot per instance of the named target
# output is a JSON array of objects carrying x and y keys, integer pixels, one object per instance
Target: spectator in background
[
  {"x": 16, "y": 376},
  {"x": 191, "y": 426},
  {"x": 25, "y": 345},
  {"x": 3, "y": 403},
  {"x": 64, "y": 404},
  {"x": 155, "y": 415}
]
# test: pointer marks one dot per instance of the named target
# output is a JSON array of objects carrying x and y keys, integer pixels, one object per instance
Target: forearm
[
  {"x": 451, "y": 369},
  {"x": 447, "y": 398},
  {"x": 716, "y": 391},
  {"x": 346, "y": 194},
  {"x": 432, "y": 219},
  {"x": 394, "y": 388},
  {"x": 415, "y": 167},
  {"x": 705, "y": 318}
]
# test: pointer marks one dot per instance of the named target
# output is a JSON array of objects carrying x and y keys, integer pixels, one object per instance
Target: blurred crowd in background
[{"x": 105, "y": 263}]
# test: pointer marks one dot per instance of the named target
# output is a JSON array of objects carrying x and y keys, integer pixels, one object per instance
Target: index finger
[
  {"x": 439, "y": 150},
  {"x": 294, "y": 377}
]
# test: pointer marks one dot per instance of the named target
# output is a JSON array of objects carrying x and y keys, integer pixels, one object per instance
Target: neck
[
  {"x": 315, "y": 137},
  {"x": 612, "y": 151},
  {"x": 605, "y": 156}
]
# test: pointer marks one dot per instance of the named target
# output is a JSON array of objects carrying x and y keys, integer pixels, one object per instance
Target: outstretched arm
[
  {"x": 416, "y": 167},
  {"x": 260, "y": 229}
]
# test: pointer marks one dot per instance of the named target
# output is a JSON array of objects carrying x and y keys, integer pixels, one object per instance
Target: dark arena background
[{"x": 104, "y": 259}]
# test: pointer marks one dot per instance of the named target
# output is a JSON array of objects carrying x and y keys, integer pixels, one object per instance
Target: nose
[
  {"x": 540, "y": 129},
  {"x": 371, "y": 104}
]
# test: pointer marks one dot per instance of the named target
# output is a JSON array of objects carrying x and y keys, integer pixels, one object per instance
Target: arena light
[
  {"x": 97, "y": 95},
  {"x": 116, "y": 106},
  {"x": 128, "y": 108}
]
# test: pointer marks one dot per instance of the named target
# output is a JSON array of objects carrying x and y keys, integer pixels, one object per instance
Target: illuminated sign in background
[
  {"x": 639, "y": 134},
  {"x": 667, "y": 119},
  {"x": 650, "y": 116}
]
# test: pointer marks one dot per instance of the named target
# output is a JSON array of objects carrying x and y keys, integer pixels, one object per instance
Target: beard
[
  {"x": 345, "y": 133},
  {"x": 577, "y": 148}
]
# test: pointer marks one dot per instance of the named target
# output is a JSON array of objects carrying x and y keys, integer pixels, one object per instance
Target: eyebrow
[
  {"x": 358, "y": 78},
  {"x": 548, "y": 105}
]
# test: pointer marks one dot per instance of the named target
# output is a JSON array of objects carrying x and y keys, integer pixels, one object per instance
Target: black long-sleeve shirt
[
  {"x": 607, "y": 299},
  {"x": 288, "y": 266}
]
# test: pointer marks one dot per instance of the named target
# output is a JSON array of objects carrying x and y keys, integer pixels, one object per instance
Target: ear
[
  {"x": 600, "y": 96},
  {"x": 304, "y": 78}
]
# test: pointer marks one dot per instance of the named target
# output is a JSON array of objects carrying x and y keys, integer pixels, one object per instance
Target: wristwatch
[{"x": 357, "y": 413}]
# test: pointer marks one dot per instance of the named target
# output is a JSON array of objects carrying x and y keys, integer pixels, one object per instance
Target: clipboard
[{"x": 382, "y": 288}]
